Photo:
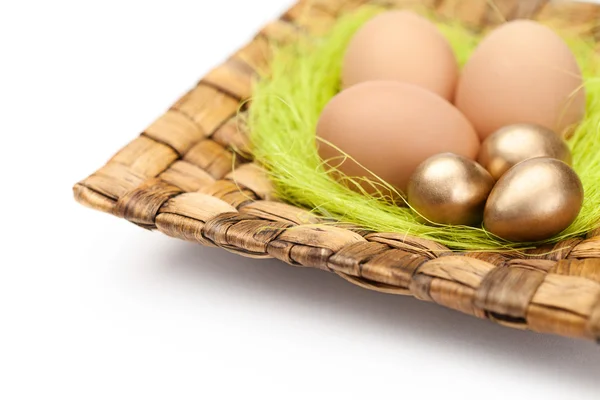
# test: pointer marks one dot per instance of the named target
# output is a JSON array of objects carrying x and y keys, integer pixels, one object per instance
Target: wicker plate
[{"x": 190, "y": 176}]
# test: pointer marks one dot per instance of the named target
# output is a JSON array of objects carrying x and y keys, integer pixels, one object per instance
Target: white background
[{"x": 92, "y": 307}]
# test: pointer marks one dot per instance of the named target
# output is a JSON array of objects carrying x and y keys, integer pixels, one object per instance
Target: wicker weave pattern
[{"x": 190, "y": 176}]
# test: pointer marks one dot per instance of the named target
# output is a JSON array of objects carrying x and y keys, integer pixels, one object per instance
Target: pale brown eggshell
[
  {"x": 401, "y": 46},
  {"x": 390, "y": 128},
  {"x": 522, "y": 72}
]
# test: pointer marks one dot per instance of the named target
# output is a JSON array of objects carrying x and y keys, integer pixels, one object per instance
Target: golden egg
[
  {"x": 534, "y": 200},
  {"x": 450, "y": 189},
  {"x": 515, "y": 143}
]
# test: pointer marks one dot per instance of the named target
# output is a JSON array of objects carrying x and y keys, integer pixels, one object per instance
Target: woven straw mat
[{"x": 190, "y": 175}]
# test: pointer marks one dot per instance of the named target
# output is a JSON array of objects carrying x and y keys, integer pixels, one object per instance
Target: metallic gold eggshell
[
  {"x": 512, "y": 144},
  {"x": 535, "y": 200},
  {"x": 450, "y": 189}
]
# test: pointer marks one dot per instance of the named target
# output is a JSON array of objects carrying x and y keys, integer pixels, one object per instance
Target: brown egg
[
  {"x": 450, "y": 189},
  {"x": 401, "y": 46},
  {"x": 521, "y": 73},
  {"x": 390, "y": 128},
  {"x": 515, "y": 143},
  {"x": 535, "y": 200}
]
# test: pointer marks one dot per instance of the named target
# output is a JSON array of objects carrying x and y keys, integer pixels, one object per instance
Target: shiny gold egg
[
  {"x": 534, "y": 200},
  {"x": 515, "y": 143},
  {"x": 450, "y": 189}
]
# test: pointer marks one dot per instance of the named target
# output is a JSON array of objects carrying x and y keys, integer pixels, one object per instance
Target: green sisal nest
[{"x": 288, "y": 101}]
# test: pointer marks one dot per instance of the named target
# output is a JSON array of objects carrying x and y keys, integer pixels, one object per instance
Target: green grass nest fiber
[{"x": 288, "y": 101}]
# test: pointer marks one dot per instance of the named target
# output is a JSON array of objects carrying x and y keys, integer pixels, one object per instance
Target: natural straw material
[{"x": 190, "y": 176}]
